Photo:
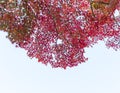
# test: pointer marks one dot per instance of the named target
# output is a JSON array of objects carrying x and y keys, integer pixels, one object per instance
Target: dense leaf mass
[{"x": 58, "y": 31}]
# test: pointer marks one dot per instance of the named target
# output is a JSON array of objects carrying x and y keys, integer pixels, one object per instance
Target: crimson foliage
[{"x": 58, "y": 31}]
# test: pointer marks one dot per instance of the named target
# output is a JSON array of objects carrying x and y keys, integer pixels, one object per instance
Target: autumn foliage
[{"x": 58, "y": 31}]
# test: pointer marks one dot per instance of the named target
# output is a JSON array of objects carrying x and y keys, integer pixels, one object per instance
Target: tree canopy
[{"x": 58, "y": 31}]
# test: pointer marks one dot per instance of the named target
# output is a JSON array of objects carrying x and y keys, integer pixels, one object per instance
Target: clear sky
[{"x": 20, "y": 74}]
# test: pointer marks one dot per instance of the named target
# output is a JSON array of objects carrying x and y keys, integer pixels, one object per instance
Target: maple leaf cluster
[{"x": 58, "y": 31}]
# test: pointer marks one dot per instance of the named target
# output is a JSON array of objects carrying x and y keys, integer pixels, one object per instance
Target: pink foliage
[{"x": 58, "y": 31}]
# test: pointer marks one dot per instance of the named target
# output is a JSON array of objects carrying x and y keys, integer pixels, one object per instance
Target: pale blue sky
[{"x": 20, "y": 74}]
